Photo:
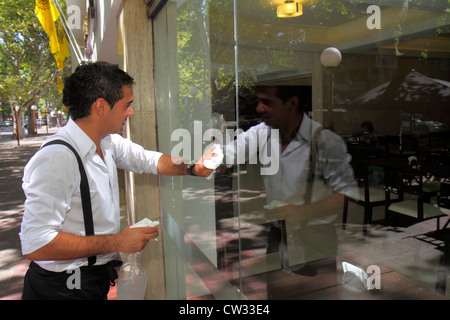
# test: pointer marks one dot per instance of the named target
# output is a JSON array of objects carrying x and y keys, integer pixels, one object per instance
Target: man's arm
[
  {"x": 294, "y": 214},
  {"x": 172, "y": 166},
  {"x": 66, "y": 246}
]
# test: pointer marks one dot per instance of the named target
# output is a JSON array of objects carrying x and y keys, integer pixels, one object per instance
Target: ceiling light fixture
[{"x": 289, "y": 9}]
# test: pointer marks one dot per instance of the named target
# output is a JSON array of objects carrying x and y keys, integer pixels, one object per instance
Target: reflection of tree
[
  {"x": 323, "y": 9},
  {"x": 193, "y": 54},
  {"x": 206, "y": 58}
]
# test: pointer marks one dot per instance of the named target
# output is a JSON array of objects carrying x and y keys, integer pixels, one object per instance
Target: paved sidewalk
[{"x": 13, "y": 158}]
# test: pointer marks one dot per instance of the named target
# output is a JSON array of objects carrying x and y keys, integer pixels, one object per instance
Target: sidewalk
[{"x": 13, "y": 158}]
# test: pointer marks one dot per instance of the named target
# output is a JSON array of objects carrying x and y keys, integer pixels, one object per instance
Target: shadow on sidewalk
[{"x": 13, "y": 265}]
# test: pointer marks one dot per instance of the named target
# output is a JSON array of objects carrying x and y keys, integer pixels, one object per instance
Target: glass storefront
[{"x": 364, "y": 71}]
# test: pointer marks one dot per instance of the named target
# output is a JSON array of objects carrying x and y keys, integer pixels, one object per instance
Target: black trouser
[{"x": 94, "y": 283}]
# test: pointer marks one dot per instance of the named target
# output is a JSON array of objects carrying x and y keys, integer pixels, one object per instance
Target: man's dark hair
[
  {"x": 284, "y": 92},
  {"x": 368, "y": 125},
  {"x": 92, "y": 81}
]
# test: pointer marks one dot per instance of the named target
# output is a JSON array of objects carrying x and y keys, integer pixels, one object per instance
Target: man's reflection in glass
[{"x": 306, "y": 192}]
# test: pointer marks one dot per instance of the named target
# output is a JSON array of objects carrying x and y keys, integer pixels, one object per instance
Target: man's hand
[
  {"x": 135, "y": 239},
  {"x": 289, "y": 212},
  {"x": 199, "y": 169}
]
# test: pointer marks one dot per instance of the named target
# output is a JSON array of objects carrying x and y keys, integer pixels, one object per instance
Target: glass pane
[
  {"x": 190, "y": 82},
  {"x": 262, "y": 227},
  {"x": 390, "y": 82}
]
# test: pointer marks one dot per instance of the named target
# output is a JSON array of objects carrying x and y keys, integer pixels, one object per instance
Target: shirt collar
[
  {"x": 82, "y": 141},
  {"x": 307, "y": 126},
  {"x": 304, "y": 132}
]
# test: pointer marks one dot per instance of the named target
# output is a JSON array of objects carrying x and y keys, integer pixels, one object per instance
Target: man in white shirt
[
  {"x": 305, "y": 193},
  {"x": 99, "y": 98}
]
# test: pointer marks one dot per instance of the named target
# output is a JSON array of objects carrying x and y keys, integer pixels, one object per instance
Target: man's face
[
  {"x": 272, "y": 109},
  {"x": 117, "y": 116}
]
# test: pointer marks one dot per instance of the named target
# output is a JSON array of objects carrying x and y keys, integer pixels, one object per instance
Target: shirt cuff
[{"x": 30, "y": 245}]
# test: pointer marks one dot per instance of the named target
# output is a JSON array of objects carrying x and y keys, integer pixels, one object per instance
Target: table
[{"x": 328, "y": 284}]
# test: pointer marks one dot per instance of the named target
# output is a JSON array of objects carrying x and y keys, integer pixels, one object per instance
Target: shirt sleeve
[
  {"x": 50, "y": 177},
  {"x": 246, "y": 146},
  {"x": 334, "y": 162},
  {"x": 133, "y": 157}
]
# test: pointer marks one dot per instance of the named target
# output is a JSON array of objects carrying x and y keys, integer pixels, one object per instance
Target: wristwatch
[{"x": 190, "y": 168}]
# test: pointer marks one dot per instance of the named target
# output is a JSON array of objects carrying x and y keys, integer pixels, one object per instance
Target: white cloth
[
  {"x": 146, "y": 222},
  {"x": 51, "y": 185},
  {"x": 216, "y": 158}
]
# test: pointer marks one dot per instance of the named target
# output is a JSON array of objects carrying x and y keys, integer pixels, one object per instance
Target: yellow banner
[
  {"x": 63, "y": 51},
  {"x": 47, "y": 15},
  {"x": 60, "y": 84}
]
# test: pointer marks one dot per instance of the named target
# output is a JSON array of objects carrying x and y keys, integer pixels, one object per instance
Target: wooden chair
[
  {"x": 432, "y": 174},
  {"x": 406, "y": 147},
  {"x": 365, "y": 195},
  {"x": 444, "y": 199},
  {"x": 409, "y": 188}
]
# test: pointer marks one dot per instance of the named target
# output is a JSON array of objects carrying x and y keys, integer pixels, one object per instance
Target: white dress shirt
[
  {"x": 51, "y": 185},
  {"x": 287, "y": 184}
]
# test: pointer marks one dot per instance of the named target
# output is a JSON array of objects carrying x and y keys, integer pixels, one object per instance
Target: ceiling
[{"x": 341, "y": 23}]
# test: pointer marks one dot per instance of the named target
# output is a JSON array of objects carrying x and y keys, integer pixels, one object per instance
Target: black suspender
[
  {"x": 312, "y": 170},
  {"x": 85, "y": 195}
]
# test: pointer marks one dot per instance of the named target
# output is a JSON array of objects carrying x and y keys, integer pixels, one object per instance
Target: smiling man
[{"x": 99, "y": 97}]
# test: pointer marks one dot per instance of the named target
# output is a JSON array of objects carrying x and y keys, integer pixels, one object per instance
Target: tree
[{"x": 27, "y": 66}]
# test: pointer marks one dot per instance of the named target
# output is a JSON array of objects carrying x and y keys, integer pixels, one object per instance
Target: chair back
[
  {"x": 407, "y": 145},
  {"x": 392, "y": 178},
  {"x": 444, "y": 195}
]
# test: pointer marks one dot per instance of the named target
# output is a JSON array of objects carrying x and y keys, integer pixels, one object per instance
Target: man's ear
[
  {"x": 293, "y": 102},
  {"x": 99, "y": 106}
]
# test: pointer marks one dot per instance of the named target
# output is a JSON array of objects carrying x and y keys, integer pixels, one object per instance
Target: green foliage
[{"x": 27, "y": 67}]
